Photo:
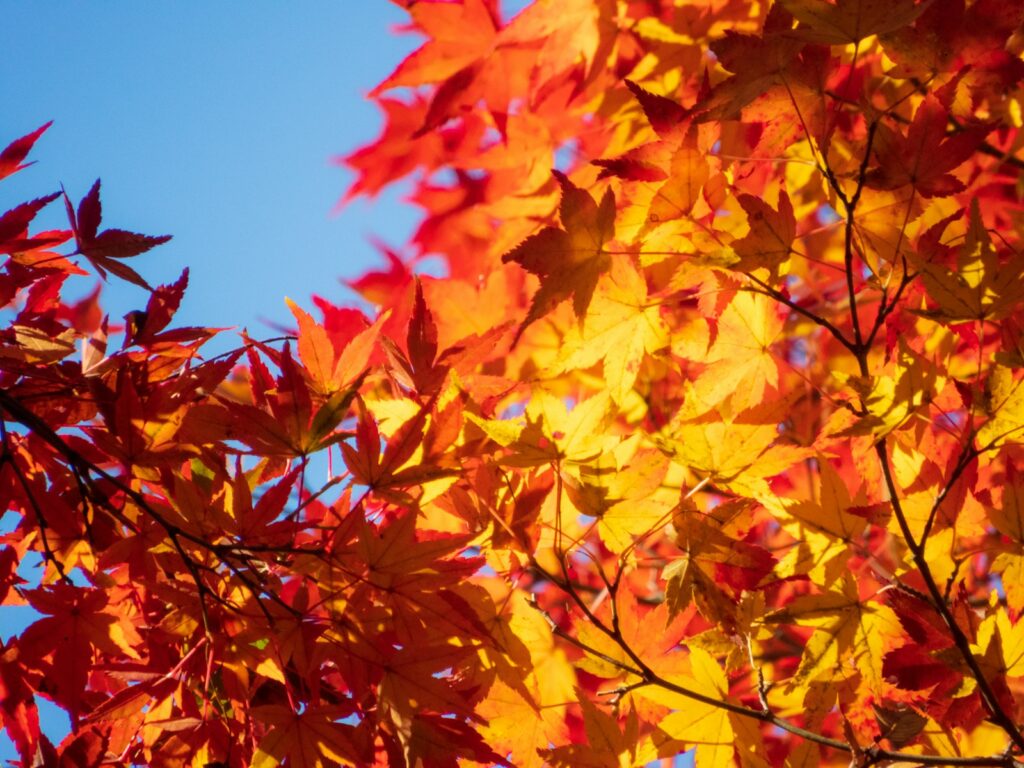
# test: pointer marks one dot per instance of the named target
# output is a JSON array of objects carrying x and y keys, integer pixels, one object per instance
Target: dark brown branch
[
  {"x": 648, "y": 676},
  {"x": 773, "y": 293},
  {"x": 886, "y": 307},
  {"x": 963, "y": 645},
  {"x": 917, "y": 548},
  {"x": 967, "y": 455},
  {"x": 851, "y": 208},
  {"x": 41, "y": 523},
  {"x": 176, "y": 534}
]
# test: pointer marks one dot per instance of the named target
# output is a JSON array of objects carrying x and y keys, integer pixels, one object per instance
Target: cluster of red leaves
[{"x": 708, "y": 440}]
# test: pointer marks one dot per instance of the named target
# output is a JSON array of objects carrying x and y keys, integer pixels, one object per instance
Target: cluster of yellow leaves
[{"x": 767, "y": 277}]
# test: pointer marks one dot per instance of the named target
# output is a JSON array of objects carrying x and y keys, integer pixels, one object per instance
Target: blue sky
[{"x": 213, "y": 122}]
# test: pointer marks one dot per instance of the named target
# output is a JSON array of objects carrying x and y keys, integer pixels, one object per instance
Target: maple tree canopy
[{"x": 710, "y": 438}]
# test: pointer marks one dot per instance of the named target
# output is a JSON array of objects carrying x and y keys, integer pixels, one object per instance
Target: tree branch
[{"x": 963, "y": 645}]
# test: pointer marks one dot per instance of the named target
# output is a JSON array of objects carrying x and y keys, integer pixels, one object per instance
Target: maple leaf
[
  {"x": 374, "y": 171},
  {"x": 552, "y": 433},
  {"x": 516, "y": 722},
  {"x": 333, "y": 365},
  {"x": 105, "y": 249},
  {"x": 824, "y": 527},
  {"x": 18, "y": 711},
  {"x": 652, "y": 161},
  {"x": 13, "y": 239},
  {"x": 283, "y": 420},
  {"x": 741, "y": 360},
  {"x": 950, "y": 36},
  {"x": 313, "y": 738},
  {"x": 926, "y": 665},
  {"x": 925, "y": 156},
  {"x": 660, "y": 649},
  {"x": 623, "y": 498},
  {"x": 226, "y": 506},
  {"x": 770, "y": 240},
  {"x": 420, "y": 587},
  {"x": 414, "y": 682},
  {"x": 977, "y": 286},
  {"x": 850, "y": 21},
  {"x": 734, "y": 450},
  {"x": 421, "y": 342},
  {"x": 77, "y": 623},
  {"x": 904, "y": 387},
  {"x": 695, "y": 723},
  {"x": 607, "y": 743},
  {"x": 386, "y": 471},
  {"x": 758, "y": 64},
  {"x": 568, "y": 261},
  {"x": 460, "y": 33},
  {"x": 1008, "y": 520},
  {"x": 620, "y": 327},
  {"x": 464, "y": 55},
  {"x": 1002, "y": 639},
  {"x": 666, "y": 116},
  {"x": 423, "y": 367},
  {"x": 439, "y": 742},
  {"x": 13, "y": 156},
  {"x": 688, "y": 171},
  {"x": 850, "y": 635},
  {"x": 574, "y": 39},
  {"x": 716, "y": 567}
]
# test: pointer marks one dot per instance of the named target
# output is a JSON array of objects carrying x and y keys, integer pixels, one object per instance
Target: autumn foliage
[{"x": 710, "y": 438}]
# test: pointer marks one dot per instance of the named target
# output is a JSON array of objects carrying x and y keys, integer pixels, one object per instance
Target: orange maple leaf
[
  {"x": 850, "y": 21},
  {"x": 568, "y": 261}
]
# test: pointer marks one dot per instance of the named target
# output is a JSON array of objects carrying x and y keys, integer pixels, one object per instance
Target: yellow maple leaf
[
  {"x": 905, "y": 386},
  {"x": 980, "y": 287},
  {"x": 677, "y": 195},
  {"x": 1008, "y": 519},
  {"x": 850, "y": 635},
  {"x": 694, "y": 723},
  {"x": 741, "y": 357},
  {"x": 770, "y": 239},
  {"x": 823, "y": 528},
  {"x": 1004, "y": 404},
  {"x": 310, "y": 739},
  {"x": 607, "y": 743},
  {"x": 736, "y": 450},
  {"x": 1002, "y": 642},
  {"x": 550, "y": 432},
  {"x": 515, "y": 723},
  {"x": 620, "y": 327}
]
